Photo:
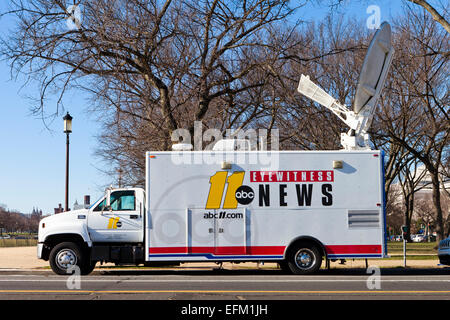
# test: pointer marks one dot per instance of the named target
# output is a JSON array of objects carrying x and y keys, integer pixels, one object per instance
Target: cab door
[{"x": 121, "y": 222}]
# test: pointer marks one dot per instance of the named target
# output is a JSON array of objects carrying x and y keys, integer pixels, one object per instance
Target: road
[{"x": 409, "y": 284}]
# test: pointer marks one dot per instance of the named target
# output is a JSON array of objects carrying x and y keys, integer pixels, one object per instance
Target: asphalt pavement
[{"x": 221, "y": 284}]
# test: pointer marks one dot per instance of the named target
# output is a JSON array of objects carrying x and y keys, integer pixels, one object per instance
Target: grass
[
  {"x": 420, "y": 248},
  {"x": 414, "y": 251},
  {"x": 419, "y": 257},
  {"x": 7, "y": 243}
]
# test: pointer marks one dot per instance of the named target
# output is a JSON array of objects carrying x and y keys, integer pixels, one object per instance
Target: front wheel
[
  {"x": 88, "y": 267},
  {"x": 304, "y": 259},
  {"x": 65, "y": 257}
]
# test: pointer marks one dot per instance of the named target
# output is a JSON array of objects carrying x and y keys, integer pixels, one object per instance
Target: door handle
[
  {"x": 134, "y": 216},
  {"x": 210, "y": 230},
  {"x": 220, "y": 230}
]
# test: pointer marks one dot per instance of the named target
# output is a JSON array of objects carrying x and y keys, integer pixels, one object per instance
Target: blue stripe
[
  {"x": 384, "y": 203},
  {"x": 339, "y": 256}
]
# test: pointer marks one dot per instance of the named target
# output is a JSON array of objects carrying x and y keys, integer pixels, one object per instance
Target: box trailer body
[{"x": 201, "y": 212}]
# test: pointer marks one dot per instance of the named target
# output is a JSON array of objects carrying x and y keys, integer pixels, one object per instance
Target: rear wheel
[
  {"x": 284, "y": 266},
  {"x": 304, "y": 259}
]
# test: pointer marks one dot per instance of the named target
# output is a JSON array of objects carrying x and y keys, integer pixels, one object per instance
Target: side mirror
[
  {"x": 108, "y": 198},
  {"x": 107, "y": 206}
]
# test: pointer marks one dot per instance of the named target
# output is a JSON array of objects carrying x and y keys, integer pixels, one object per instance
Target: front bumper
[
  {"x": 444, "y": 253},
  {"x": 40, "y": 248},
  {"x": 444, "y": 259}
]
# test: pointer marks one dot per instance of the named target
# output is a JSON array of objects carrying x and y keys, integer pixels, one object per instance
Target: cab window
[
  {"x": 123, "y": 201},
  {"x": 120, "y": 201}
]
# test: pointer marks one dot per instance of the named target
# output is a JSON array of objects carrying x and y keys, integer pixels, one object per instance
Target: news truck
[
  {"x": 317, "y": 205},
  {"x": 296, "y": 208}
]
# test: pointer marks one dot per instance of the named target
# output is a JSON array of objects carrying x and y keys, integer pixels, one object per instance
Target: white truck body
[
  {"x": 230, "y": 206},
  {"x": 293, "y": 207},
  {"x": 193, "y": 213}
]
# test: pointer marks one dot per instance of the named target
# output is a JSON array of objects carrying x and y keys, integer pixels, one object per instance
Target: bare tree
[
  {"x": 14, "y": 221},
  {"x": 410, "y": 179},
  {"x": 434, "y": 13},
  {"x": 413, "y": 114},
  {"x": 394, "y": 211},
  {"x": 150, "y": 66},
  {"x": 330, "y": 52},
  {"x": 426, "y": 5}
]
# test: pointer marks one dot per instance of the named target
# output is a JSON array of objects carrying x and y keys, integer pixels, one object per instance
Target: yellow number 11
[{"x": 217, "y": 182}]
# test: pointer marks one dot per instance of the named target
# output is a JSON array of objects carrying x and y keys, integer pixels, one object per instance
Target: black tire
[
  {"x": 65, "y": 256},
  {"x": 284, "y": 267},
  {"x": 88, "y": 267},
  {"x": 304, "y": 258}
]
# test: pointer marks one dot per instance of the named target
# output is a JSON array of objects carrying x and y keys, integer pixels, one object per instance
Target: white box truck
[
  {"x": 292, "y": 207},
  {"x": 316, "y": 205}
]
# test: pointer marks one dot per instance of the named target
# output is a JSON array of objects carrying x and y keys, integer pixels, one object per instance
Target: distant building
[
  {"x": 37, "y": 211},
  {"x": 59, "y": 209},
  {"x": 426, "y": 185},
  {"x": 85, "y": 205},
  {"x": 77, "y": 206},
  {"x": 87, "y": 201},
  {"x": 423, "y": 194}
]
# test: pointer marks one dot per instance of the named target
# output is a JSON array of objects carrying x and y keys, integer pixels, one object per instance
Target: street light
[{"x": 67, "y": 130}]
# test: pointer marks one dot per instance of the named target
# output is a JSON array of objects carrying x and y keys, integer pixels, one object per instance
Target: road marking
[
  {"x": 228, "y": 291},
  {"x": 223, "y": 280}
]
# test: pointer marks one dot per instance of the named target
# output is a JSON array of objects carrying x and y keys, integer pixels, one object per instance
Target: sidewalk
[
  {"x": 26, "y": 258},
  {"x": 20, "y": 258}
]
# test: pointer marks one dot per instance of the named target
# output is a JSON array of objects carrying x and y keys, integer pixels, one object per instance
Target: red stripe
[
  {"x": 254, "y": 250},
  {"x": 354, "y": 249},
  {"x": 168, "y": 250},
  {"x": 266, "y": 250},
  {"x": 228, "y": 250},
  {"x": 292, "y": 176}
]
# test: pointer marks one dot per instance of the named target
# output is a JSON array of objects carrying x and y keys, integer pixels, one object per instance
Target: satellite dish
[
  {"x": 374, "y": 69},
  {"x": 370, "y": 83}
]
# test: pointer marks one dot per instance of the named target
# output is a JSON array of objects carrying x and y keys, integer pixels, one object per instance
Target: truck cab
[{"x": 111, "y": 230}]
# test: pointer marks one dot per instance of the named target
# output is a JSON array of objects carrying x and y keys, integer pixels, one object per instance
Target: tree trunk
[
  {"x": 409, "y": 203},
  {"x": 437, "y": 204}
]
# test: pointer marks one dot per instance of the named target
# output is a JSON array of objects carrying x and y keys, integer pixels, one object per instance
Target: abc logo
[{"x": 244, "y": 195}]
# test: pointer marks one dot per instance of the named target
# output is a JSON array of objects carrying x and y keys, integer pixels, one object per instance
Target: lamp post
[{"x": 67, "y": 130}]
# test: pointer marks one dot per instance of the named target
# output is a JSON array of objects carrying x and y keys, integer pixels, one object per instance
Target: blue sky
[{"x": 32, "y": 157}]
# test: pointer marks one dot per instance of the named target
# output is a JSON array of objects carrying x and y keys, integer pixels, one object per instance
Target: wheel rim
[
  {"x": 305, "y": 258},
  {"x": 66, "y": 259}
]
